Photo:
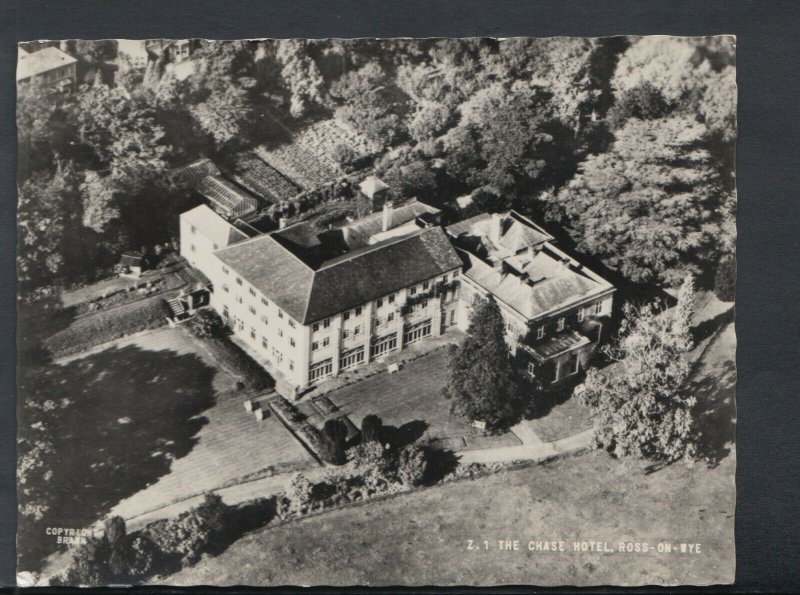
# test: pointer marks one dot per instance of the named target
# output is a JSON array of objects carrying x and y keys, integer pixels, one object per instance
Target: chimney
[
  {"x": 387, "y": 215},
  {"x": 282, "y": 222},
  {"x": 495, "y": 227}
]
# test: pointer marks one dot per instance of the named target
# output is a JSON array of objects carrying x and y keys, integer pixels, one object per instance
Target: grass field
[{"x": 422, "y": 538}]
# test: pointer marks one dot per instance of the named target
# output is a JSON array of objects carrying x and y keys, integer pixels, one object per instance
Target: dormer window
[
  {"x": 540, "y": 332},
  {"x": 560, "y": 324},
  {"x": 581, "y": 314}
]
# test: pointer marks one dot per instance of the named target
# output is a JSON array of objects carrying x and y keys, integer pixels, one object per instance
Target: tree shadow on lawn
[
  {"x": 715, "y": 412},
  {"x": 406, "y": 434},
  {"x": 126, "y": 415}
]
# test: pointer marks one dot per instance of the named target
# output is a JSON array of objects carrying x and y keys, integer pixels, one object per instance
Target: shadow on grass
[
  {"x": 404, "y": 435},
  {"x": 121, "y": 417},
  {"x": 441, "y": 463},
  {"x": 715, "y": 412}
]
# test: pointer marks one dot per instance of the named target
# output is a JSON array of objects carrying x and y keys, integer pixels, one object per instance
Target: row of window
[{"x": 561, "y": 323}]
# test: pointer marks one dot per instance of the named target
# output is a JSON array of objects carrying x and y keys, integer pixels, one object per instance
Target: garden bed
[{"x": 106, "y": 326}]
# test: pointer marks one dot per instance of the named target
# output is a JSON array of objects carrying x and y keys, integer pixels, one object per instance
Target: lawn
[
  {"x": 139, "y": 425},
  {"x": 422, "y": 538},
  {"x": 411, "y": 403}
]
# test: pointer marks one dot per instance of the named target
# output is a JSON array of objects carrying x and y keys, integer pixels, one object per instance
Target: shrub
[
  {"x": 115, "y": 535},
  {"x": 106, "y": 326},
  {"x": 206, "y": 324},
  {"x": 725, "y": 279},
  {"x": 142, "y": 554},
  {"x": 371, "y": 456},
  {"x": 345, "y": 156},
  {"x": 300, "y": 494},
  {"x": 191, "y": 533},
  {"x": 231, "y": 357},
  {"x": 333, "y": 441},
  {"x": 371, "y": 428},
  {"x": 89, "y": 566},
  {"x": 412, "y": 463}
]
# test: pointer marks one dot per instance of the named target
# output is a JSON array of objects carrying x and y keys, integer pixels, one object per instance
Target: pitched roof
[
  {"x": 195, "y": 172},
  {"x": 223, "y": 193},
  {"x": 359, "y": 232},
  {"x": 44, "y": 60},
  {"x": 214, "y": 227},
  {"x": 371, "y": 185},
  {"x": 344, "y": 282}
]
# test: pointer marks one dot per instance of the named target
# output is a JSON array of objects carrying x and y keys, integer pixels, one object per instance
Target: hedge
[
  {"x": 106, "y": 326},
  {"x": 231, "y": 357}
]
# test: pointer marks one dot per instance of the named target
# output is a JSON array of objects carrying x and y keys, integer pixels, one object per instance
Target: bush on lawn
[
  {"x": 142, "y": 556},
  {"x": 300, "y": 494},
  {"x": 333, "y": 442},
  {"x": 371, "y": 428},
  {"x": 89, "y": 566},
  {"x": 106, "y": 326},
  {"x": 725, "y": 279},
  {"x": 193, "y": 532},
  {"x": 412, "y": 464},
  {"x": 372, "y": 457},
  {"x": 206, "y": 324}
]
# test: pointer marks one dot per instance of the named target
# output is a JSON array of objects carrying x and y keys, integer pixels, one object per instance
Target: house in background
[
  {"x": 132, "y": 264},
  {"x": 134, "y": 50},
  {"x": 51, "y": 66},
  {"x": 552, "y": 305}
]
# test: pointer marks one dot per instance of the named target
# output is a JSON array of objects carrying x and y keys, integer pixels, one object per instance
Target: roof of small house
[
  {"x": 360, "y": 231},
  {"x": 311, "y": 292},
  {"x": 131, "y": 259},
  {"x": 557, "y": 344},
  {"x": 226, "y": 195},
  {"x": 195, "y": 172},
  {"x": 214, "y": 227},
  {"x": 41, "y": 61},
  {"x": 371, "y": 185}
]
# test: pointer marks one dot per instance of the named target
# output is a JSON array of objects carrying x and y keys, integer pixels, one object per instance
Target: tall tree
[
  {"x": 482, "y": 382},
  {"x": 300, "y": 75},
  {"x": 99, "y": 209},
  {"x": 641, "y": 407},
  {"x": 649, "y": 207}
]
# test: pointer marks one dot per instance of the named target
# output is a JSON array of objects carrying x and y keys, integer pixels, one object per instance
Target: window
[
  {"x": 280, "y": 313},
  {"x": 346, "y": 316},
  {"x": 252, "y": 292},
  {"x": 194, "y": 229},
  {"x": 291, "y": 341},
  {"x": 238, "y": 280},
  {"x": 314, "y": 345},
  {"x": 265, "y": 301},
  {"x": 576, "y": 365},
  {"x": 215, "y": 246},
  {"x": 540, "y": 332},
  {"x": 315, "y": 327},
  {"x": 560, "y": 324},
  {"x": 265, "y": 320},
  {"x": 345, "y": 334},
  {"x": 264, "y": 342},
  {"x": 455, "y": 274},
  {"x": 291, "y": 365},
  {"x": 532, "y": 369},
  {"x": 252, "y": 310},
  {"x": 379, "y": 302},
  {"x": 413, "y": 290},
  {"x": 390, "y": 317},
  {"x": 225, "y": 312},
  {"x": 424, "y": 304},
  {"x": 239, "y": 299},
  {"x": 357, "y": 330},
  {"x": 252, "y": 333},
  {"x": 581, "y": 314},
  {"x": 358, "y": 311},
  {"x": 280, "y": 332},
  {"x": 326, "y": 323},
  {"x": 291, "y": 324},
  {"x": 425, "y": 285},
  {"x": 598, "y": 307},
  {"x": 326, "y": 341},
  {"x": 225, "y": 288},
  {"x": 192, "y": 248},
  {"x": 452, "y": 316},
  {"x": 391, "y": 299}
]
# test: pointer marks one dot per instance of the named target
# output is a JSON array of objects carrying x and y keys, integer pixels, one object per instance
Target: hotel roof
[
  {"x": 44, "y": 60},
  {"x": 214, "y": 227},
  {"x": 309, "y": 293}
]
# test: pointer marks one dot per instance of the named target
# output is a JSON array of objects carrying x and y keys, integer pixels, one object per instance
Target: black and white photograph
[{"x": 376, "y": 311}]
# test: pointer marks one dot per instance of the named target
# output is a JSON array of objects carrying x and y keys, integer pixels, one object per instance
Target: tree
[
  {"x": 225, "y": 114},
  {"x": 115, "y": 535},
  {"x": 483, "y": 382},
  {"x": 725, "y": 279},
  {"x": 99, "y": 210},
  {"x": 682, "y": 317},
  {"x": 206, "y": 324},
  {"x": 644, "y": 102},
  {"x": 640, "y": 404},
  {"x": 649, "y": 207},
  {"x": 371, "y": 428},
  {"x": 334, "y": 440},
  {"x": 300, "y": 75}
]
